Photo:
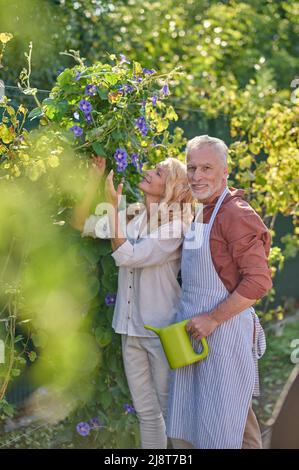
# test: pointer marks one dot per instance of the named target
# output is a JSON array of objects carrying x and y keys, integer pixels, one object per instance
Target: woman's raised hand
[
  {"x": 97, "y": 168},
  {"x": 112, "y": 196}
]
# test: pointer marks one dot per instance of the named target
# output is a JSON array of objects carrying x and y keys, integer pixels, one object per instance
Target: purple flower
[
  {"x": 140, "y": 123},
  {"x": 76, "y": 115},
  {"x": 121, "y": 166},
  {"x": 129, "y": 408},
  {"x": 165, "y": 89},
  {"x": 77, "y": 76},
  {"x": 154, "y": 100},
  {"x": 83, "y": 429},
  {"x": 137, "y": 79},
  {"x": 148, "y": 71},
  {"x": 135, "y": 159},
  {"x": 95, "y": 423},
  {"x": 88, "y": 118},
  {"x": 77, "y": 130},
  {"x": 85, "y": 106},
  {"x": 91, "y": 90},
  {"x": 143, "y": 103},
  {"x": 120, "y": 155},
  {"x": 123, "y": 59},
  {"x": 110, "y": 299},
  {"x": 126, "y": 88}
]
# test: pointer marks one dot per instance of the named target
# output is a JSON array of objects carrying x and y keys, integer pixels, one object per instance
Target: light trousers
[{"x": 147, "y": 373}]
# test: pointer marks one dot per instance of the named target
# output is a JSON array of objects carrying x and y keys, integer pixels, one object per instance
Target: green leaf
[
  {"x": 103, "y": 336},
  {"x": 111, "y": 78},
  {"x": 109, "y": 282},
  {"x": 39, "y": 339},
  {"x": 99, "y": 149},
  {"x": 171, "y": 114},
  {"x": 108, "y": 265},
  {"x": 103, "y": 92},
  {"x": 103, "y": 247},
  {"x": 93, "y": 286},
  {"x": 137, "y": 69},
  {"x": 55, "y": 110},
  {"x": 36, "y": 113},
  {"x": 65, "y": 78},
  {"x": 106, "y": 399},
  {"x": 18, "y": 338}
]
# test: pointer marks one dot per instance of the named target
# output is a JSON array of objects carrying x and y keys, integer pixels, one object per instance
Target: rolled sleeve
[{"x": 249, "y": 251}]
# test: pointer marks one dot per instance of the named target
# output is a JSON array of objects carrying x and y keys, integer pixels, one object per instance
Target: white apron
[{"x": 209, "y": 400}]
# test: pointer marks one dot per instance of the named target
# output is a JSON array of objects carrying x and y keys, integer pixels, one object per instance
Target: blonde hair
[{"x": 178, "y": 199}]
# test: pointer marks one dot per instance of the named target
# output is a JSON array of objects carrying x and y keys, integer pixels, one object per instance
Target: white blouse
[{"x": 148, "y": 289}]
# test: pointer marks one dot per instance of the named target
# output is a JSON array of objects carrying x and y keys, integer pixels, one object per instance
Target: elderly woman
[{"x": 148, "y": 257}]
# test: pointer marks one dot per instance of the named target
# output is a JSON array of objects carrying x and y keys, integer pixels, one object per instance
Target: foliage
[{"x": 64, "y": 280}]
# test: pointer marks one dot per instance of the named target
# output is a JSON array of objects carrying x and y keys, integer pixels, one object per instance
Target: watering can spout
[{"x": 153, "y": 328}]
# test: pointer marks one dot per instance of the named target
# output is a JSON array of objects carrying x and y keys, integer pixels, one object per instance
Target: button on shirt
[{"x": 148, "y": 289}]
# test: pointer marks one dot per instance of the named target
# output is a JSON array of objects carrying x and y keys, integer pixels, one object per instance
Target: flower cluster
[
  {"x": 91, "y": 90},
  {"x": 86, "y": 107},
  {"x": 121, "y": 157},
  {"x": 126, "y": 88},
  {"x": 140, "y": 123},
  {"x": 108, "y": 92}
]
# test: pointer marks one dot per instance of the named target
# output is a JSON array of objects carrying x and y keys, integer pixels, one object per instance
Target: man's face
[{"x": 206, "y": 173}]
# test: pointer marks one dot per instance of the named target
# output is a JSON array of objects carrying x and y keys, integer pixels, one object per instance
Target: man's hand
[{"x": 201, "y": 326}]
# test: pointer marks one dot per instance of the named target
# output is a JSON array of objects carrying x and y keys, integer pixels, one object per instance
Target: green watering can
[{"x": 177, "y": 345}]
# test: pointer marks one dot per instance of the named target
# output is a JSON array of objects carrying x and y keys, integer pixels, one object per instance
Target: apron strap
[{"x": 217, "y": 207}]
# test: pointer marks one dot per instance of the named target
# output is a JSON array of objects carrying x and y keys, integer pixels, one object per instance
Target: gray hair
[{"x": 201, "y": 140}]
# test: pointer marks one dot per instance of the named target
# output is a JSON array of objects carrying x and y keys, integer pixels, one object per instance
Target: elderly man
[{"x": 224, "y": 271}]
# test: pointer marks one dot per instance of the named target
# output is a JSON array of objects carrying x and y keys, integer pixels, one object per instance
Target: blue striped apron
[{"x": 209, "y": 400}]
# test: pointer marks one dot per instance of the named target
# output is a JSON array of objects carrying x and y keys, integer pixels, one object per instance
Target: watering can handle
[{"x": 205, "y": 347}]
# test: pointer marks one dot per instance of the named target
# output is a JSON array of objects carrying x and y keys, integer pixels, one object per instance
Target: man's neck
[{"x": 213, "y": 197}]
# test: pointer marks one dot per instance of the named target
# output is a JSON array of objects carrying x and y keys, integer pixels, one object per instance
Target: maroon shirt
[{"x": 240, "y": 245}]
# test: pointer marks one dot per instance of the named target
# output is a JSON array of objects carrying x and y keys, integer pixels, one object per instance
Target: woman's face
[{"x": 154, "y": 181}]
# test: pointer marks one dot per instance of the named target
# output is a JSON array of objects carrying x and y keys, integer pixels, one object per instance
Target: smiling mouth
[
  {"x": 145, "y": 179},
  {"x": 199, "y": 186}
]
